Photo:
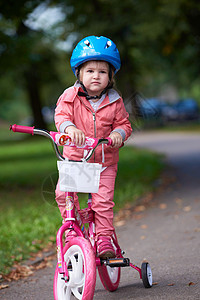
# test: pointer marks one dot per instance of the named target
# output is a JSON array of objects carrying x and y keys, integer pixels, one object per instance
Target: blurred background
[{"x": 159, "y": 43}]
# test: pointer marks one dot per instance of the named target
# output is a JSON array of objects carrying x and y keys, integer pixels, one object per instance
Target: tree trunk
[
  {"x": 32, "y": 82},
  {"x": 33, "y": 90}
]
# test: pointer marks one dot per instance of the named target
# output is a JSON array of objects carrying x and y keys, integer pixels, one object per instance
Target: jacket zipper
[{"x": 94, "y": 119}]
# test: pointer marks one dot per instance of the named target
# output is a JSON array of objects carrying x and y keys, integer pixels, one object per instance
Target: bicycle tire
[
  {"x": 80, "y": 259},
  {"x": 110, "y": 277},
  {"x": 146, "y": 275}
]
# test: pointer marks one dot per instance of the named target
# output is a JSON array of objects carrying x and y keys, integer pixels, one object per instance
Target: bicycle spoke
[
  {"x": 77, "y": 292},
  {"x": 68, "y": 292}
]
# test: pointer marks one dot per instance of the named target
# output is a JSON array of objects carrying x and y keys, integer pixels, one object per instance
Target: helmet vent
[
  {"x": 95, "y": 48},
  {"x": 87, "y": 43},
  {"x": 108, "y": 44}
]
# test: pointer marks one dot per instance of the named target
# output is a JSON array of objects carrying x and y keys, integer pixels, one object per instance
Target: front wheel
[
  {"x": 80, "y": 260},
  {"x": 146, "y": 275}
]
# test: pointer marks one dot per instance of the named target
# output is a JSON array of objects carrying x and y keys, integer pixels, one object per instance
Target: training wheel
[{"x": 146, "y": 275}]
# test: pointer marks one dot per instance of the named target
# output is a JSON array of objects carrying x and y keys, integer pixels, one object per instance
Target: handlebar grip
[
  {"x": 23, "y": 129},
  {"x": 109, "y": 141}
]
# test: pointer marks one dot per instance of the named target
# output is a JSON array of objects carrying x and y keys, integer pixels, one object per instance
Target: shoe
[{"x": 105, "y": 248}]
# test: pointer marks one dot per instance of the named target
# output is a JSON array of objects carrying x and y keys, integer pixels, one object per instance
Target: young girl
[{"x": 93, "y": 108}]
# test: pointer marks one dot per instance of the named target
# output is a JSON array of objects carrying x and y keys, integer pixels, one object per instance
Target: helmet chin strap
[
  {"x": 83, "y": 94},
  {"x": 88, "y": 97}
]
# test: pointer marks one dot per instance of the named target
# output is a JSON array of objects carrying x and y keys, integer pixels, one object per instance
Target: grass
[
  {"x": 138, "y": 170},
  {"x": 29, "y": 215},
  {"x": 27, "y": 225}
]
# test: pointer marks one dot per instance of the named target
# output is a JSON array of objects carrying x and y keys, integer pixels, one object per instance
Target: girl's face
[{"x": 95, "y": 76}]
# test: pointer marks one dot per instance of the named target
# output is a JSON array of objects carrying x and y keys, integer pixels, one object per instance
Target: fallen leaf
[
  {"x": 4, "y": 286},
  {"x": 163, "y": 206},
  {"x": 144, "y": 226},
  {"x": 187, "y": 208},
  {"x": 139, "y": 208},
  {"x": 171, "y": 284},
  {"x": 19, "y": 272},
  {"x": 155, "y": 283},
  {"x": 119, "y": 216},
  {"x": 191, "y": 283},
  {"x": 119, "y": 223},
  {"x": 42, "y": 265},
  {"x": 179, "y": 201},
  {"x": 197, "y": 230},
  {"x": 143, "y": 237}
]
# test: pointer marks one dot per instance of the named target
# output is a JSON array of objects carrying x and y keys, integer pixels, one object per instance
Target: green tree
[
  {"x": 25, "y": 55},
  {"x": 156, "y": 39}
]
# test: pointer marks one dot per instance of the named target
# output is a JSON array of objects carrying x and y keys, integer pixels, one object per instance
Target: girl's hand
[
  {"x": 116, "y": 139},
  {"x": 77, "y": 136}
]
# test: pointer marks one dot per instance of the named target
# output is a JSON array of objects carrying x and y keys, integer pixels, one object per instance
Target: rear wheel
[
  {"x": 80, "y": 260},
  {"x": 110, "y": 277}
]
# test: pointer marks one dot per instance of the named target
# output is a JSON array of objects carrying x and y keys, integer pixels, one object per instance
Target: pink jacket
[{"x": 111, "y": 115}]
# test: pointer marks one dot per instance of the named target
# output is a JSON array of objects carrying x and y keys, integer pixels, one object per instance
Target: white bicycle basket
[{"x": 79, "y": 176}]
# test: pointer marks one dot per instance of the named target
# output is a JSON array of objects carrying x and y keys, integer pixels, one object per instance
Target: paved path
[{"x": 166, "y": 233}]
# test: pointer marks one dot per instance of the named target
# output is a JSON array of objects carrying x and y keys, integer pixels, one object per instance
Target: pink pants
[{"x": 102, "y": 202}]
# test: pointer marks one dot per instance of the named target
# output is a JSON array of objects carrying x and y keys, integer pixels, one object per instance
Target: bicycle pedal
[{"x": 117, "y": 262}]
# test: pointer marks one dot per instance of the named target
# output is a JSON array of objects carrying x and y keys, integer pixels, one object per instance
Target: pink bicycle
[{"x": 75, "y": 274}]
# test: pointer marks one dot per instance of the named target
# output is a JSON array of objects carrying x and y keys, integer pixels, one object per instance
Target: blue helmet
[{"x": 95, "y": 48}]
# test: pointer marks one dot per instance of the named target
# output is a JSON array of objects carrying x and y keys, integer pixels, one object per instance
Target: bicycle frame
[
  {"x": 70, "y": 222},
  {"x": 75, "y": 219}
]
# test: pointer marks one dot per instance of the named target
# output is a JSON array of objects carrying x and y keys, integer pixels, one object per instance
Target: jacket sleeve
[
  {"x": 64, "y": 112},
  {"x": 121, "y": 122}
]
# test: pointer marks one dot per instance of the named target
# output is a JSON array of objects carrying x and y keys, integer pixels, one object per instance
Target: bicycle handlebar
[
  {"x": 62, "y": 139},
  {"x": 23, "y": 129}
]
